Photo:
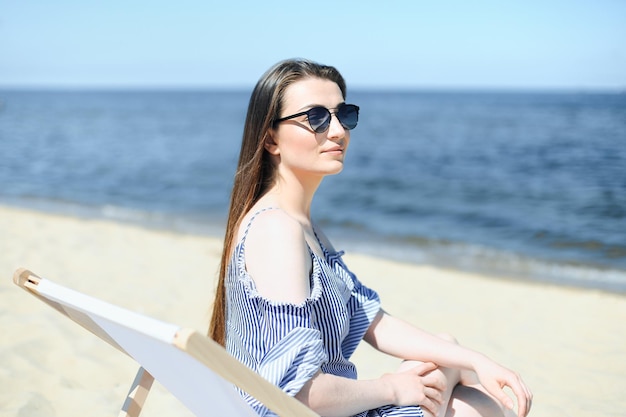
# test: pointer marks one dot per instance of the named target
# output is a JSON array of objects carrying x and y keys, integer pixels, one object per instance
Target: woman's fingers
[
  {"x": 425, "y": 371},
  {"x": 434, "y": 386},
  {"x": 434, "y": 395},
  {"x": 419, "y": 385},
  {"x": 435, "y": 380},
  {"x": 523, "y": 394},
  {"x": 431, "y": 406},
  {"x": 530, "y": 401},
  {"x": 529, "y": 398},
  {"x": 495, "y": 389},
  {"x": 424, "y": 368}
]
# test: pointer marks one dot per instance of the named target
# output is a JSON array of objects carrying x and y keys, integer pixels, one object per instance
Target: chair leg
[{"x": 137, "y": 394}]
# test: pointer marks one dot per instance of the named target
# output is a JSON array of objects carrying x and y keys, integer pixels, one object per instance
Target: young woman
[{"x": 286, "y": 304}]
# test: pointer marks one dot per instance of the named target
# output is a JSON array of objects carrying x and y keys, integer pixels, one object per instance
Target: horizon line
[{"x": 354, "y": 87}]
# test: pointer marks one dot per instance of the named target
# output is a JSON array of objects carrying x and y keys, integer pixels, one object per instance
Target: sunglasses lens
[
  {"x": 319, "y": 119},
  {"x": 348, "y": 115}
]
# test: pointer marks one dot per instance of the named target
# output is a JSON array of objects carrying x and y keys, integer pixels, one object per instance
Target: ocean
[{"x": 525, "y": 185}]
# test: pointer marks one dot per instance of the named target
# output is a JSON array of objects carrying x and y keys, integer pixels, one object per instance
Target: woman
[{"x": 286, "y": 304}]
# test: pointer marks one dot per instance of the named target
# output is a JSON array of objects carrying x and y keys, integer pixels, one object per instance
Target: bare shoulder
[
  {"x": 270, "y": 219},
  {"x": 277, "y": 257},
  {"x": 271, "y": 226}
]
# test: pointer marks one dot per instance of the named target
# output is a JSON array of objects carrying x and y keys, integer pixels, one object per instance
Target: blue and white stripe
[{"x": 286, "y": 343}]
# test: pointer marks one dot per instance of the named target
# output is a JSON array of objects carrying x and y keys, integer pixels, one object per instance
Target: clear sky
[{"x": 555, "y": 44}]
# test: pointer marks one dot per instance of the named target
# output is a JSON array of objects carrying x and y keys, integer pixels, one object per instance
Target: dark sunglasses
[{"x": 319, "y": 117}]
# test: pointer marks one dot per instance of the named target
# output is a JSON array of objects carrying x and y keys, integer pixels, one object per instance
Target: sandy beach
[{"x": 568, "y": 344}]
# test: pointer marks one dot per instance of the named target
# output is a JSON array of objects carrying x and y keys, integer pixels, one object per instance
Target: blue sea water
[{"x": 530, "y": 185}]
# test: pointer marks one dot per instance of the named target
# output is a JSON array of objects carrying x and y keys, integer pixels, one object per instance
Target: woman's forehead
[{"x": 312, "y": 91}]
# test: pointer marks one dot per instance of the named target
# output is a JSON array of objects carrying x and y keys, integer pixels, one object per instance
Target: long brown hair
[{"x": 255, "y": 172}]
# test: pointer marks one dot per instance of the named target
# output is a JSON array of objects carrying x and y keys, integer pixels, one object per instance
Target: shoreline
[
  {"x": 463, "y": 257},
  {"x": 552, "y": 335}
]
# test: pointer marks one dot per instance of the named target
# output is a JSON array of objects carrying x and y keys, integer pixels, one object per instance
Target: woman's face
[{"x": 295, "y": 146}]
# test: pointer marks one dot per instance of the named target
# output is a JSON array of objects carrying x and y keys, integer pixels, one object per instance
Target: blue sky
[{"x": 554, "y": 44}]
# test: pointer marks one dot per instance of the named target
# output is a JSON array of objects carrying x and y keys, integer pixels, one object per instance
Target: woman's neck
[{"x": 294, "y": 195}]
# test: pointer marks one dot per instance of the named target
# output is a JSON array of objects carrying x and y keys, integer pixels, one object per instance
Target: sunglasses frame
[{"x": 330, "y": 115}]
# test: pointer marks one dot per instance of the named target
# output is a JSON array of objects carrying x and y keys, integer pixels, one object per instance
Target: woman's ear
[{"x": 270, "y": 143}]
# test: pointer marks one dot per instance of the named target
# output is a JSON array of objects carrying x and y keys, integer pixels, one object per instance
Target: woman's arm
[
  {"x": 331, "y": 395},
  {"x": 398, "y": 338}
]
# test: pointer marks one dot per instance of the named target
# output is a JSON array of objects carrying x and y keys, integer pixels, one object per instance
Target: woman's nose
[{"x": 336, "y": 129}]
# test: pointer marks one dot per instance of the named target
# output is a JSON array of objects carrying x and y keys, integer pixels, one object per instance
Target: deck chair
[{"x": 195, "y": 369}]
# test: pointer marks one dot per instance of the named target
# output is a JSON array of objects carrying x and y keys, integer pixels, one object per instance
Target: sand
[{"x": 568, "y": 344}]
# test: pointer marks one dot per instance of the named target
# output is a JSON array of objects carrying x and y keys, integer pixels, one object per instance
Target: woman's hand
[
  {"x": 494, "y": 378},
  {"x": 417, "y": 385}
]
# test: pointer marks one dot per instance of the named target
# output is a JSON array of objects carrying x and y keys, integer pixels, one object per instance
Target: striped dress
[{"x": 287, "y": 343}]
